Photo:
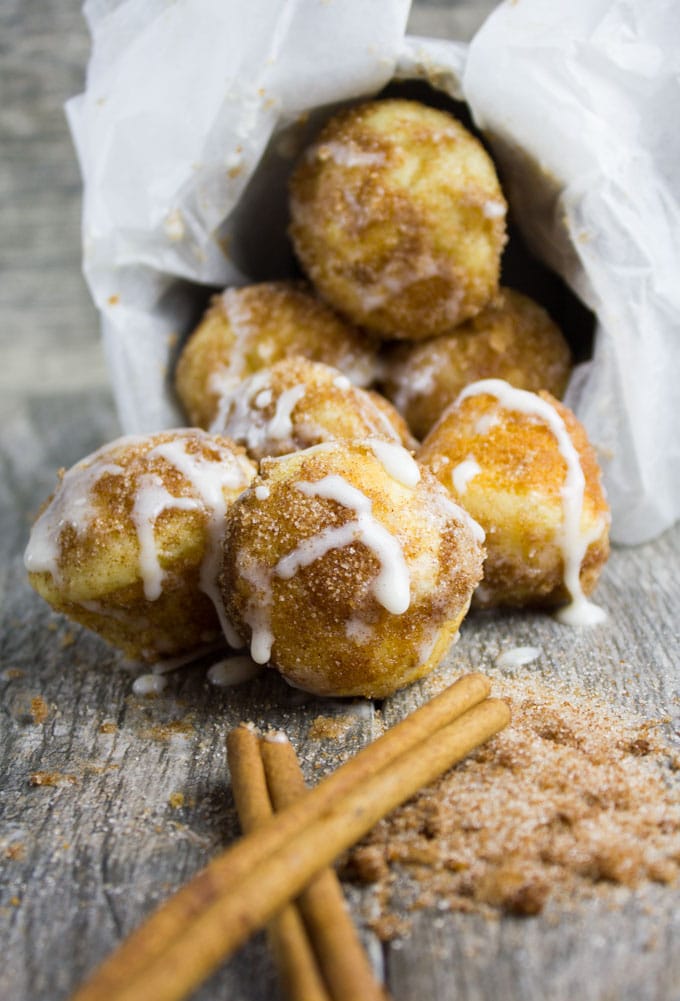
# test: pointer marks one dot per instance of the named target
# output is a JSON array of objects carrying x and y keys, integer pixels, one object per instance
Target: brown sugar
[
  {"x": 572, "y": 797},
  {"x": 330, "y": 727},
  {"x": 51, "y": 779},
  {"x": 39, "y": 709}
]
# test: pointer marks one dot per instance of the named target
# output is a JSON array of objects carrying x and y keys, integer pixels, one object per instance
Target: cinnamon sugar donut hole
[
  {"x": 129, "y": 543},
  {"x": 522, "y": 466},
  {"x": 348, "y": 568},
  {"x": 398, "y": 219},
  {"x": 299, "y": 403},
  {"x": 513, "y": 338},
  {"x": 248, "y": 328}
]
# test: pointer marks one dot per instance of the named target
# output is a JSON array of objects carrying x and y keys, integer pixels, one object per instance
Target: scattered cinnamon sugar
[
  {"x": 16, "y": 852},
  {"x": 165, "y": 731},
  {"x": 330, "y": 727},
  {"x": 12, "y": 674},
  {"x": 571, "y": 797},
  {"x": 51, "y": 779},
  {"x": 39, "y": 709}
]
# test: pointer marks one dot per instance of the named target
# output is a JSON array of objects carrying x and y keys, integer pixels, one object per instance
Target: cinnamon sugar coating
[
  {"x": 398, "y": 219},
  {"x": 316, "y": 555},
  {"x": 299, "y": 403},
  {"x": 513, "y": 338},
  {"x": 506, "y": 468},
  {"x": 124, "y": 545},
  {"x": 246, "y": 329}
]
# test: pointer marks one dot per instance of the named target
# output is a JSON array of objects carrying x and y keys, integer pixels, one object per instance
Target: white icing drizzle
[
  {"x": 463, "y": 473},
  {"x": 518, "y": 656},
  {"x": 572, "y": 541},
  {"x": 341, "y": 382},
  {"x": 71, "y": 506},
  {"x": 232, "y": 671},
  {"x": 262, "y": 492},
  {"x": 396, "y": 461},
  {"x": 493, "y": 209},
  {"x": 484, "y": 423},
  {"x": 281, "y": 424},
  {"x": 346, "y": 155},
  {"x": 238, "y": 415},
  {"x": 263, "y": 399},
  {"x": 386, "y": 426},
  {"x": 234, "y": 415},
  {"x": 149, "y": 684},
  {"x": 391, "y": 587},
  {"x": 209, "y": 478},
  {"x": 150, "y": 501},
  {"x": 168, "y": 664},
  {"x": 258, "y": 612}
]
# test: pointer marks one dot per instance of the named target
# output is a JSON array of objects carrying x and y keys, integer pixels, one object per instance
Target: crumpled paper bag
[{"x": 194, "y": 112}]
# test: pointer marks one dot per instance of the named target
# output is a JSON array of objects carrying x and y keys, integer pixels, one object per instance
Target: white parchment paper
[{"x": 194, "y": 111}]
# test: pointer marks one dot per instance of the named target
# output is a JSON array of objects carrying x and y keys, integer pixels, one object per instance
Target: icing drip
[
  {"x": 234, "y": 412},
  {"x": 149, "y": 684},
  {"x": 70, "y": 507},
  {"x": 232, "y": 671},
  {"x": 518, "y": 656},
  {"x": 151, "y": 500},
  {"x": 258, "y": 613},
  {"x": 396, "y": 461},
  {"x": 391, "y": 587},
  {"x": 572, "y": 541},
  {"x": 237, "y": 419},
  {"x": 463, "y": 473},
  {"x": 209, "y": 478},
  {"x": 281, "y": 425}
]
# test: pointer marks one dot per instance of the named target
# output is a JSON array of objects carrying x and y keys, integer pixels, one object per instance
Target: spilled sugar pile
[{"x": 570, "y": 798}]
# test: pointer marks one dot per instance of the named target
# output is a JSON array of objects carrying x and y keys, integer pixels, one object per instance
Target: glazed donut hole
[
  {"x": 348, "y": 568},
  {"x": 398, "y": 218},
  {"x": 128, "y": 544},
  {"x": 299, "y": 403},
  {"x": 513, "y": 338},
  {"x": 522, "y": 466},
  {"x": 246, "y": 329}
]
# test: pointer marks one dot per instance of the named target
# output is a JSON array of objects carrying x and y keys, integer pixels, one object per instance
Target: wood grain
[{"x": 110, "y": 801}]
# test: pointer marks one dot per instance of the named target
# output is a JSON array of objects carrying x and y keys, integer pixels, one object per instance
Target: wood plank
[{"x": 86, "y": 858}]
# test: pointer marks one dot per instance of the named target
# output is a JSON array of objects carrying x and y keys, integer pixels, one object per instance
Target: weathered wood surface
[{"x": 85, "y": 859}]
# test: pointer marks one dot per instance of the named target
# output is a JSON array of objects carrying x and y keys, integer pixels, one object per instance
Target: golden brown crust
[
  {"x": 331, "y": 633},
  {"x": 246, "y": 329},
  {"x": 398, "y": 219},
  {"x": 298, "y": 403},
  {"x": 91, "y": 528},
  {"x": 516, "y": 496},
  {"x": 513, "y": 338}
]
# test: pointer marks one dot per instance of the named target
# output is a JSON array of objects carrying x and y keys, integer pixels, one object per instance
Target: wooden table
[{"x": 102, "y": 837}]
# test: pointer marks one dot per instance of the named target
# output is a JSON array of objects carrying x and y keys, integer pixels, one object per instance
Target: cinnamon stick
[
  {"x": 169, "y": 921},
  {"x": 340, "y": 954},
  {"x": 294, "y": 956},
  {"x": 315, "y": 835}
]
